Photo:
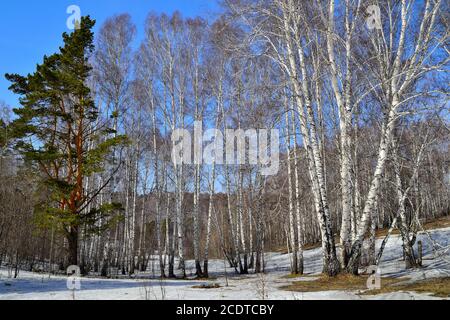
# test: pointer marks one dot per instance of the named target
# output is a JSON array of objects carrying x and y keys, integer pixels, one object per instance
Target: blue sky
[{"x": 30, "y": 29}]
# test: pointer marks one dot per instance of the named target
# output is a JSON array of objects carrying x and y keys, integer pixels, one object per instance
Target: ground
[{"x": 429, "y": 282}]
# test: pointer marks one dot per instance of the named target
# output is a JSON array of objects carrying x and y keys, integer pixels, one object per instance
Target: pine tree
[{"x": 53, "y": 131}]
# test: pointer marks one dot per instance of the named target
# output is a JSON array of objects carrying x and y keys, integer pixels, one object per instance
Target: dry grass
[
  {"x": 295, "y": 276},
  {"x": 440, "y": 223},
  {"x": 343, "y": 282},
  {"x": 204, "y": 279},
  {"x": 439, "y": 287}
]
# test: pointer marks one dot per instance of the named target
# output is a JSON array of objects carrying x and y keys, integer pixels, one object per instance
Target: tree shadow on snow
[{"x": 27, "y": 285}]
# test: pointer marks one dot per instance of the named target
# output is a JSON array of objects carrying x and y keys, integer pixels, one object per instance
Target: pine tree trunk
[{"x": 72, "y": 240}]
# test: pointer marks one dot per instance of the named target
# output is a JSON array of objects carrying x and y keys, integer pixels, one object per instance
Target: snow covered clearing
[{"x": 32, "y": 286}]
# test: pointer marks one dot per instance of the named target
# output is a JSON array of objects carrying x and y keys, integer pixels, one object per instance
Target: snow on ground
[{"x": 30, "y": 286}]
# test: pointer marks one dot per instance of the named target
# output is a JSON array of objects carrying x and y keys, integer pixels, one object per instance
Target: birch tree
[{"x": 398, "y": 72}]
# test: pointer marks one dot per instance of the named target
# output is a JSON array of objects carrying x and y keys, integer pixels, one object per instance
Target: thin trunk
[{"x": 292, "y": 235}]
